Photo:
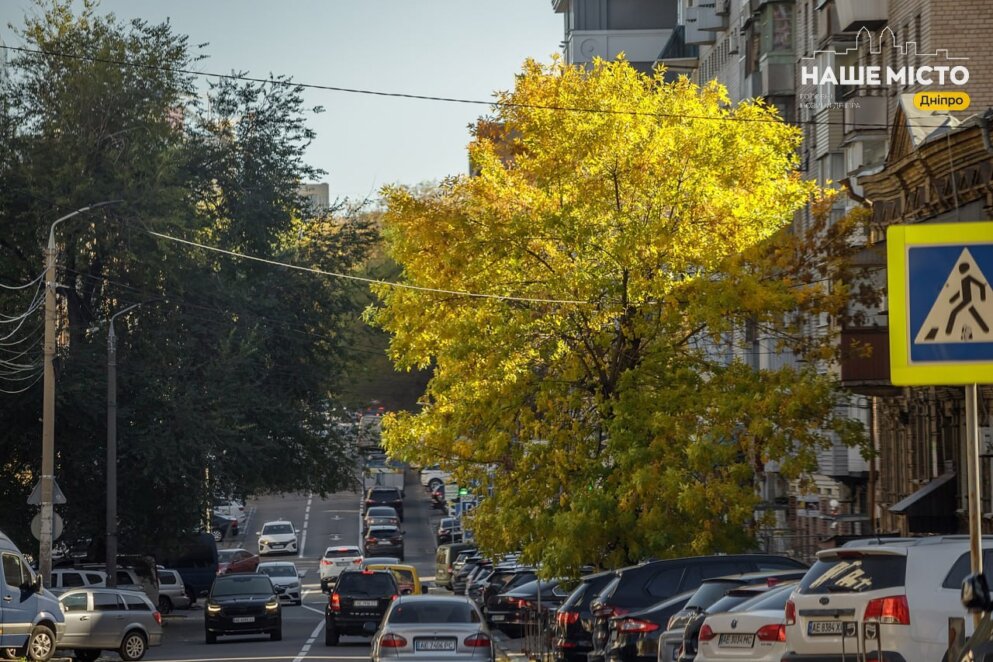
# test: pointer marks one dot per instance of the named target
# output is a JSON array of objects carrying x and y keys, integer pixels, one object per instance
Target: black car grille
[{"x": 244, "y": 610}]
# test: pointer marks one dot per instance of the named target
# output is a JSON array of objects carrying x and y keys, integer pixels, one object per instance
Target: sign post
[{"x": 941, "y": 324}]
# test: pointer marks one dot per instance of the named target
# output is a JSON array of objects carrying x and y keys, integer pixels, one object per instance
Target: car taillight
[
  {"x": 603, "y": 611},
  {"x": 158, "y": 617},
  {"x": 325, "y": 562},
  {"x": 478, "y": 640},
  {"x": 335, "y": 602},
  {"x": 790, "y": 612},
  {"x": 520, "y": 604},
  {"x": 369, "y": 502},
  {"x": 893, "y": 610},
  {"x": 565, "y": 643},
  {"x": 772, "y": 632},
  {"x": 636, "y": 625},
  {"x": 706, "y": 633},
  {"x": 371, "y": 541},
  {"x": 357, "y": 560},
  {"x": 394, "y": 597},
  {"x": 392, "y": 641}
]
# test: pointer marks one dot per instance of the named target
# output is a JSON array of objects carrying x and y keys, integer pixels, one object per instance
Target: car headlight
[
  {"x": 295, "y": 585},
  {"x": 263, "y": 541},
  {"x": 213, "y": 609},
  {"x": 272, "y": 605}
]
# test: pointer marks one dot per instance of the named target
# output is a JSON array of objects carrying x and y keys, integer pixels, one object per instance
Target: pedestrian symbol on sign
[{"x": 963, "y": 310}]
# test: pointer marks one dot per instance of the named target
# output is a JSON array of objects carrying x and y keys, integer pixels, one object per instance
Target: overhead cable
[{"x": 25, "y": 285}]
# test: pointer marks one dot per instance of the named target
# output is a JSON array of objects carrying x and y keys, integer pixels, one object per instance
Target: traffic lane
[{"x": 419, "y": 542}]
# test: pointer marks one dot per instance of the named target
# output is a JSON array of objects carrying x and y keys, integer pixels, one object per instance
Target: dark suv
[
  {"x": 357, "y": 603},
  {"x": 640, "y": 586},
  {"x": 384, "y": 541},
  {"x": 385, "y": 496},
  {"x": 242, "y": 604}
]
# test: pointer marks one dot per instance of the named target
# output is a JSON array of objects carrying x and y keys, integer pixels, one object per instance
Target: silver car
[
  {"x": 172, "y": 591},
  {"x": 432, "y": 627},
  {"x": 285, "y": 579},
  {"x": 100, "y": 619}
]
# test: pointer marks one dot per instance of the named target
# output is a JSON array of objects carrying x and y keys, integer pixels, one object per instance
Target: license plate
[
  {"x": 366, "y": 603},
  {"x": 243, "y": 619},
  {"x": 734, "y": 640},
  {"x": 343, "y": 563},
  {"x": 497, "y": 617},
  {"x": 434, "y": 644},
  {"x": 276, "y": 545},
  {"x": 826, "y": 628}
]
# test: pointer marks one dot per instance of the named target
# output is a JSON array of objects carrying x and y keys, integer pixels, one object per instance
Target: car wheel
[
  {"x": 9, "y": 653},
  {"x": 211, "y": 637},
  {"x": 85, "y": 654},
  {"x": 434, "y": 484},
  {"x": 331, "y": 636},
  {"x": 165, "y": 604},
  {"x": 218, "y": 535},
  {"x": 133, "y": 646},
  {"x": 41, "y": 644},
  {"x": 276, "y": 635}
]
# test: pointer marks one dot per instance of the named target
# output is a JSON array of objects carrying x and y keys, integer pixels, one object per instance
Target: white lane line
[
  {"x": 306, "y": 518},
  {"x": 314, "y": 609},
  {"x": 310, "y": 642}
]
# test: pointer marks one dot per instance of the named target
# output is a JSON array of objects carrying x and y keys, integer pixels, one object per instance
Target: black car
[
  {"x": 574, "y": 621},
  {"x": 222, "y": 526},
  {"x": 448, "y": 527},
  {"x": 519, "y": 605},
  {"x": 242, "y": 604},
  {"x": 645, "y": 584},
  {"x": 380, "y": 516},
  {"x": 384, "y": 541},
  {"x": 459, "y": 579},
  {"x": 358, "y": 602},
  {"x": 630, "y": 635},
  {"x": 385, "y": 496},
  {"x": 709, "y": 592},
  {"x": 461, "y": 587}
]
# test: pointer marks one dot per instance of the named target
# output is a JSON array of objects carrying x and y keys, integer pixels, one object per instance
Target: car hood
[
  {"x": 241, "y": 598},
  {"x": 278, "y": 537}
]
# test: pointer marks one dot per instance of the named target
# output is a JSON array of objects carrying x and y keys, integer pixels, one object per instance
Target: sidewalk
[{"x": 507, "y": 648}]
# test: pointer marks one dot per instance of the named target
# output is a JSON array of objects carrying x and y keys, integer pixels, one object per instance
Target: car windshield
[
  {"x": 433, "y": 611},
  {"x": 385, "y": 531},
  {"x": 772, "y": 600},
  {"x": 241, "y": 585},
  {"x": 278, "y": 570},
  {"x": 270, "y": 529},
  {"x": 732, "y": 600},
  {"x": 359, "y": 583},
  {"x": 385, "y": 494},
  {"x": 709, "y": 593},
  {"x": 341, "y": 552},
  {"x": 381, "y": 511}
]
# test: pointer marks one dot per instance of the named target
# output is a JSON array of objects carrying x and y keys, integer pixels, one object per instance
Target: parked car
[
  {"x": 740, "y": 598},
  {"x": 64, "y": 579},
  {"x": 502, "y": 581},
  {"x": 754, "y": 631},
  {"x": 895, "y": 597},
  {"x": 518, "y": 605},
  {"x": 31, "y": 617},
  {"x": 384, "y": 540},
  {"x": 408, "y": 581},
  {"x": 380, "y": 516},
  {"x": 709, "y": 592},
  {"x": 223, "y": 526},
  {"x": 335, "y": 560},
  {"x": 434, "y": 477},
  {"x": 277, "y": 538},
  {"x": 173, "y": 593},
  {"x": 99, "y": 619},
  {"x": 461, "y": 575},
  {"x": 643, "y": 585},
  {"x": 242, "y": 604},
  {"x": 419, "y": 627},
  {"x": 444, "y": 559},
  {"x": 630, "y": 636},
  {"x": 285, "y": 579},
  {"x": 449, "y": 530},
  {"x": 230, "y": 561},
  {"x": 357, "y": 604},
  {"x": 369, "y": 561},
  {"x": 384, "y": 496},
  {"x": 976, "y": 599},
  {"x": 231, "y": 508},
  {"x": 573, "y": 635}
]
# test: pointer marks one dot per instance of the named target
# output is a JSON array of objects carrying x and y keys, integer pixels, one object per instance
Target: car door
[
  {"x": 107, "y": 620},
  {"x": 79, "y": 619},
  {"x": 19, "y": 603}
]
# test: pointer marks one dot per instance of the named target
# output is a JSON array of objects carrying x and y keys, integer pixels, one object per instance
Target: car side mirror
[
  {"x": 976, "y": 594},
  {"x": 300, "y": 575},
  {"x": 258, "y": 533}
]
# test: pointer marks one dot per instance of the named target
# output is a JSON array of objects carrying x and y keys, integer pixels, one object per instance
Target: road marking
[
  {"x": 310, "y": 642},
  {"x": 314, "y": 609},
  {"x": 306, "y": 520}
]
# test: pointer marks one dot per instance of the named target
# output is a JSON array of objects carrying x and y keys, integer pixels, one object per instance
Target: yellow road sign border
[{"x": 898, "y": 239}]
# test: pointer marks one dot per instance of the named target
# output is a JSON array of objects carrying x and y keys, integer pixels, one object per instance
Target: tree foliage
[
  {"x": 227, "y": 371},
  {"x": 621, "y": 421}
]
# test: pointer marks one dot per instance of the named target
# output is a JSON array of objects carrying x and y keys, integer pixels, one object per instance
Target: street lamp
[
  {"x": 48, "y": 402},
  {"x": 112, "y": 448}
]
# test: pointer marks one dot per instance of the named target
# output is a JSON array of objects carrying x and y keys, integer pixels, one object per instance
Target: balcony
[
  {"x": 677, "y": 55},
  {"x": 865, "y": 113},
  {"x": 865, "y": 361},
  {"x": 777, "y": 75},
  {"x": 856, "y": 14},
  {"x": 708, "y": 19},
  {"x": 581, "y": 46},
  {"x": 694, "y": 35}
]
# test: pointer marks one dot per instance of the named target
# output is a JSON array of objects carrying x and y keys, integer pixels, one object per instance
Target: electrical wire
[
  {"x": 26, "y": 388},
  {"x": 25, "y": 338},
  {"x": 25, "y": 285},
  {"x": 422, "y": 97},
  {"x": 371, "y": 281}
]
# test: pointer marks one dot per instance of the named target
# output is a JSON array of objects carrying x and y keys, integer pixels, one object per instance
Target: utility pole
[{"x": 48, "y": 402}]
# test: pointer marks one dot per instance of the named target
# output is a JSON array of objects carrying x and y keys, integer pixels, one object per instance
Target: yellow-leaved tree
[{"x": 624, "y": 230}]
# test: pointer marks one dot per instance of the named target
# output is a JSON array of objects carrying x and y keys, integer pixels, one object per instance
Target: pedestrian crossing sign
[{"x": 940, "y": 303}]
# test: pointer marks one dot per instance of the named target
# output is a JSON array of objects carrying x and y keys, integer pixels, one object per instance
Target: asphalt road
[{"x": 320, "y": 522}]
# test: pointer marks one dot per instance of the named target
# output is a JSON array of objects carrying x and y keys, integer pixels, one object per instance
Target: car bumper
[
  {"x": 290, "y": 595},
  {"x": 277, "y": 548},
  {"x": 353, "y": 626},
  {"x": 877, "y": 656},
  {"x": 224, "y": 624},
  {"x": 384, "y": 550},
  {"x": 155, "y": 638}
]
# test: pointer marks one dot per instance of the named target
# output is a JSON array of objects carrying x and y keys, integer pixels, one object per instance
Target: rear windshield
[
  {"x": 357, "y": 583},
  {"x": 729, "y": 602},
  {"x": 855, "y": 575},
  {"x": 339, "y": 553},
  {"x": 238, "y": 585},
  {"x": 385, "y": 494},
  {"x": 381, "y": 511},
  {"x": 276, "y": 528},
  {"x": 384, "y": 531},
  {"x": 708, "y": 593},
  {"x": 433, "y": 611}
]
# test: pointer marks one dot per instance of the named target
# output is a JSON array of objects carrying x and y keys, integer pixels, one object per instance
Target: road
[{"x": 321, "y": 522}]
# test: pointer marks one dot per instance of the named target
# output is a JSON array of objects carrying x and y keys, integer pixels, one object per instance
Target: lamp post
[
  {"x": 112, "y": 448},
  {"x": 48, "y": 402}
]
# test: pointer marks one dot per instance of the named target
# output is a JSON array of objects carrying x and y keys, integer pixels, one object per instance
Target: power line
[
  {"x": 25, "y": 285},
  {"x": 424, "y": 97},
  {"x": 361, "y": 279},
  {"x": 26, "y": 388}
]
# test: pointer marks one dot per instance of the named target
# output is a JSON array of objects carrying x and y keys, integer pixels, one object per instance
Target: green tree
[
  {"x": 227, "y": 372},
  {"x": 615, "y": 422}
]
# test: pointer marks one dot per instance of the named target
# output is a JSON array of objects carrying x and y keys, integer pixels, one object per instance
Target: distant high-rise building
[{"x": 318, "y": 196}]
